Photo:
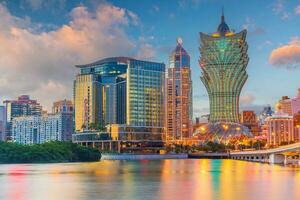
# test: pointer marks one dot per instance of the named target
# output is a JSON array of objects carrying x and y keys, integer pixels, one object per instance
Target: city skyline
[{"x": 27, "y": 26}]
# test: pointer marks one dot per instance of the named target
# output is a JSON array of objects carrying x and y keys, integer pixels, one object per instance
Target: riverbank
[
  {"x": 50, "y": 152},
  {"x": 142, "y": 156}
]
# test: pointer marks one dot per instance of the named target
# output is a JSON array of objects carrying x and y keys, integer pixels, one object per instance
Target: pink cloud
[
  {"x": 247, "y": 99},
  {"x": 287, "y": 56},
  {"x": 41, "y": 63},
  {"x": 297, "y": 10}
]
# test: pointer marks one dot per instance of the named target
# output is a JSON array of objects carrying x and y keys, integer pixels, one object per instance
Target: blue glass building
[{"x": 132, "y": 97}]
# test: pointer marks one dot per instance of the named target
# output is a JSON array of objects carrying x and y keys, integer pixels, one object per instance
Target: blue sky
[{"x": 146, "y": 29}]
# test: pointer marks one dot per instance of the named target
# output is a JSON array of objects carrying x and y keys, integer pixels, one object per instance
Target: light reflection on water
[{"x": 150, "y": 179}]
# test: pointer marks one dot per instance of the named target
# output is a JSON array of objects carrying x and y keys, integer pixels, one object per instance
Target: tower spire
[{"x": 222, "y": 17}]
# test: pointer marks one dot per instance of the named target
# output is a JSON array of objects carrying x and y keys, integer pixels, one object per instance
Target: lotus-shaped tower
[{"x": 223, "y": 62}]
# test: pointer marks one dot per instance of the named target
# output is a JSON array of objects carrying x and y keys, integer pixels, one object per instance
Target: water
[{"x": 156, "y": 179}]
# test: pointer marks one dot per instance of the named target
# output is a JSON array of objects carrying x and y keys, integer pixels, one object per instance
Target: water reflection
[{"x": 150, "y": 179}]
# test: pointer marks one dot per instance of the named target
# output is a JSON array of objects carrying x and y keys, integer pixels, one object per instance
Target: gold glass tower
[
  {"x": 87, "y": 97},
  {"x": 179, "y": 95}
]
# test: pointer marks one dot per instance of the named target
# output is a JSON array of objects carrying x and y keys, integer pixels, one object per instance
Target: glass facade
[
  {"x": 145, "y": 94},
  {"x": 223, "y": 62},
  {"x": 87, "y": 97},
  {"x": 131, "y": 93},
  {"x": 179, "y": 95}
]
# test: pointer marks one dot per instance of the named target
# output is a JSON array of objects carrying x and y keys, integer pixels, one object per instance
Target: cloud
[
  {"x": 188, "y": 3},
  {"x": 287, "y": 56},
  {"x": 256, "y": 108},
  {"x": 156, "y": 8},
  {"x": 247, "y": 99},
  {"x": 44, "y": 4},
  {"x": 264, "y": 44},
  {"x": 172, "y": 15},
  {"x": 252, "y": 28},
  {"x": 297, "y": 10},
  {"x": 279, "y": 9},
  {"x": 41, "y": 63},
  {"x": 247, "y": 102}
]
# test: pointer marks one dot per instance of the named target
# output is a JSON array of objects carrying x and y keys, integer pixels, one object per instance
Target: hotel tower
[
  {"x": 223, "y": 62},
  {"x": 179, "y": 95}
]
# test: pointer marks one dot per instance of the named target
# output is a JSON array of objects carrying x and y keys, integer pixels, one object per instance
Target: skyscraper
[
  {"x": 121, "y": 91},
  {"x": 179, "y": 95},
  {"x": 296, "y": 104},
  {"x": 223, "y": 62},
  {"x": 87, "y": 97}
]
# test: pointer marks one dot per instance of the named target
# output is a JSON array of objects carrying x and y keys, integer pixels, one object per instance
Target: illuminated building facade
[
  {"x": 249, "y": 119},
  {"x": 179, "y": 95},
  {"x": 223, "y": 62},
  {"x": 286, "y": 105},
  {"x": 62, "y": 106},
  {"x": 280, "y": 129},
  {"x": 99, "y": 96},
  {"x": 296, "y": 103},
  {"x": 87, "y": 97},
  {"x": 297, "y": 127},
  {"x": 123, "y": 94}
]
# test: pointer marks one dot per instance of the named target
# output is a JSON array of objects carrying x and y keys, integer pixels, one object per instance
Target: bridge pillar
[
  {"x": 285, "y": 160},
  {"x": 276, "y": 159}
]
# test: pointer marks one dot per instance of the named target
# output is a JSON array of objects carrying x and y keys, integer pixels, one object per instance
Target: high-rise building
[
  {"x": 286, "y": 105},
  {"x": 223, "y": 62},
  {"x": 23, "y": 106},
  {"x": 179, "y": 95},
  {"x": 96, "y": 97},
  {"x": 297, "y": 127},
  {"x": 62, "y": 106},
  {"x": 2, "y": 123},
  {"x": 296, "y": 103},
  {"x": 40, "y": 129},
  {"x": 280, "y": 129},
  {"x": 87, "y": 97},
  {"x": 128, "y": 94}
]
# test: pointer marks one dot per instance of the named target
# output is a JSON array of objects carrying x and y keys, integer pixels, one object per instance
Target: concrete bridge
[{"x": 282, "y": 155}]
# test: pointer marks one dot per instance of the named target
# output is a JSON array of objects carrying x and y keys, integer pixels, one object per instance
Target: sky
[{"x": 42, "y": 40}]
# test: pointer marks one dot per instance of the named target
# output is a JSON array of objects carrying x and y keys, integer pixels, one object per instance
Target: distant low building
[
  {"x": 23, "y": 106},
  {"x": 280, "y": 129},
  {"x": 266, "y": 112},
  {"x": 62, "y": 106},
  {"x": 286, "y": 105},
  {"x": 2, "y": 123},
  {"x": 40, "y": 129},
  {"x": 249, "y": 119}
]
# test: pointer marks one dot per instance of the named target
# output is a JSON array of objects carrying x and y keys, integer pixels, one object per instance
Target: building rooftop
[
  {"x": 120, "y": 59},
  {"x": 106, "y": 60},
  {"x": 223, "y": 28}
]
